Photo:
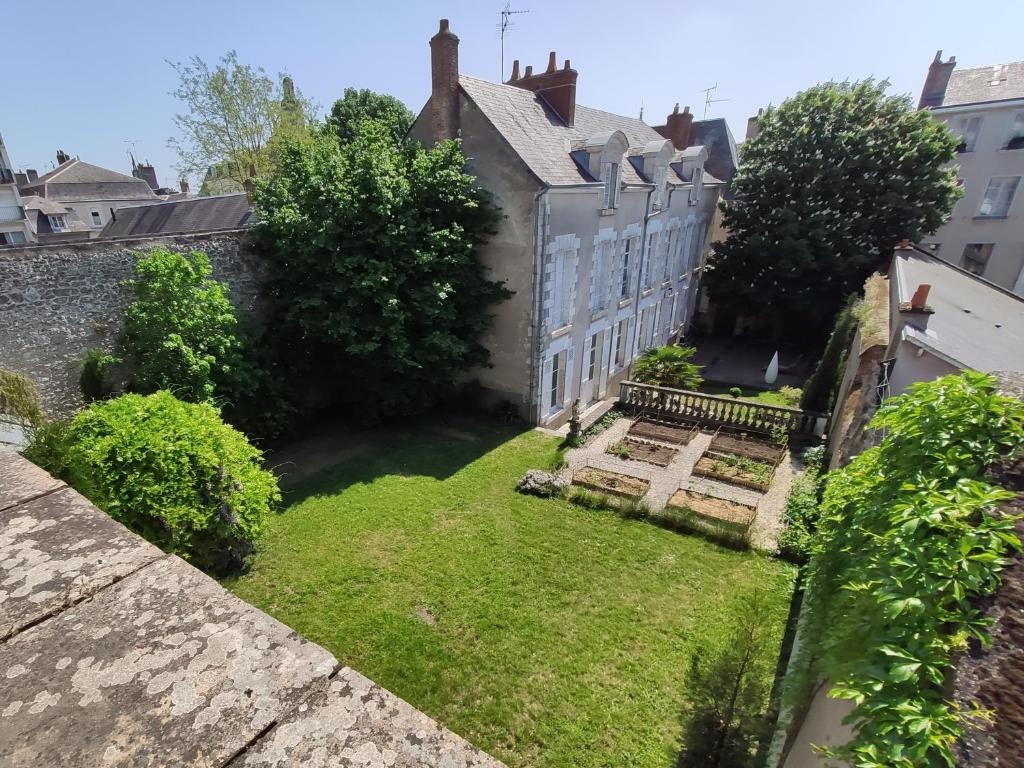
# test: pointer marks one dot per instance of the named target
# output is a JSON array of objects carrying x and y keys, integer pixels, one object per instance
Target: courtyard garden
[{"x": 545, "y": 633}]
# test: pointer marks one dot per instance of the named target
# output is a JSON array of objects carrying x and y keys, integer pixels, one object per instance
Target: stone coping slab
[
  {"x": 355, "y": 722},
  {"x": 21, "y": 480},
  {"x": 55, "y": 552}
]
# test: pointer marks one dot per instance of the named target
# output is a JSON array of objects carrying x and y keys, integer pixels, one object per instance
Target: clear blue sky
[{"x": 89, "y": 78}]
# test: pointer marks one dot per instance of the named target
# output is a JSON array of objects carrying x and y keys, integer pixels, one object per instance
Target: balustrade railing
[{"x": 714, "y": 411}]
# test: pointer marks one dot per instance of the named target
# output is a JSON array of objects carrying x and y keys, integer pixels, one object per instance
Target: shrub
[
  {"x": 92, "y": 376},
  {"x": 634, "y": 509},
  {"x": 789, "y": 396},
  {"x": 171, "y": 471},
  {"x": 801, "y": 515},
  {"x": 48, "y": 447},
  {"x": 668, "y": 367},
  {"x": 19, "y": 398},
  {"x": 735, "y": 391},
  {"x": 588, "y": 499},
  {"x": 821, "y": 387}
]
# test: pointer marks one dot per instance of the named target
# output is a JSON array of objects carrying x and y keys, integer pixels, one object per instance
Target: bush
[
  {"x": 92, "y": 376},
  {"x": 171, "y": 471},
  {"x": 668, "y": 367},
  {"x": 49, "y": 447},
  {"x": 820, "y": 388},
  {"x": 801, "y": 516},
  {"x": 789, "y": 396},
  {"x": 20, "y": 398},
  {"x": 735, "y": 391},
  {"x": 587, "y": 499}
]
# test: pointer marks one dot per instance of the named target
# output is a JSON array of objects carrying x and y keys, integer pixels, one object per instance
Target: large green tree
[
  {"x": 372, "y": 248},
  {"x": 835, "y": 178},
  {"x": 357, "y": 105}
]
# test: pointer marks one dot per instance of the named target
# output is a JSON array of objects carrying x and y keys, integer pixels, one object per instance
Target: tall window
[
  {"x": 999, "y": 196},
  {"x": 611, "y": 185},
  {"x": 624, "y": 272},
  {"x": 975, "y": 258},
  {"x": 620, "y": 343},
  {"x": 649, "y": 266},
  {"x": 598, "y": 275},
  {"x": 967, "y": 128},
  {"x": 1016, "y": 138},
  {"x": 659, "y": 187},
  {"x": 554, "y": 388},
  {"x": 667, "y": 258},
  {"x": 558, "y": 290},
  {"x": 96, "y": 220},
  {"x": 592, "y": 357}
]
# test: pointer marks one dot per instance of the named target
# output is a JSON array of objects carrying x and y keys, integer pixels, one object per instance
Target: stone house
[
  {"x": 603, "y": 236},
  {"x": 14, "y": 228},
  {"x": 984, "y": 106}
]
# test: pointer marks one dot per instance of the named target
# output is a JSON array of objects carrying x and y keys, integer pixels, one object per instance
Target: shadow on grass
[{"x": 336, "y": 455}]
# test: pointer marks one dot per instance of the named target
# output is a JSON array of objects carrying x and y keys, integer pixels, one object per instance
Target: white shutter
[
  {"x": 606, "y": 172},
  {"x": 567, "y": 378},
  {"x": 615, "y": 185}
]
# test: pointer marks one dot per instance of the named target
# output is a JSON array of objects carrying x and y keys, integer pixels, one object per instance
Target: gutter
[{"x": 533, "y": 399}]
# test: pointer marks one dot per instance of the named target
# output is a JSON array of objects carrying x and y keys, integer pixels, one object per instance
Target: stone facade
[{"x": 57, "y": 301}]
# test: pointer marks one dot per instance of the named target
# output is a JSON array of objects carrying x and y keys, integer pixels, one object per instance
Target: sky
[{"x": 94, "y": 79}]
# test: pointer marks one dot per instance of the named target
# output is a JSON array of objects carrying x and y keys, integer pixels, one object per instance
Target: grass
[
  {"x": 786, "y": 396},
  {"x": 561, "y": 636}
]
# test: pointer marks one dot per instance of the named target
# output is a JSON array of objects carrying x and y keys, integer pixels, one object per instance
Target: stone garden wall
[{"x": 57, "y": 301}]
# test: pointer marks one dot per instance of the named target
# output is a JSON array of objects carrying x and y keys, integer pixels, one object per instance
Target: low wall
[{"x": 59, "y": 300}]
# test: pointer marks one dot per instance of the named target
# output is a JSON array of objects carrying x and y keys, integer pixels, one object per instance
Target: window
[
  {"x": 592, "y": 357},
  {"x": 620, "y": 343},
  {"x": 15, "y": 238},
  {"x": 649, "y": 266},
  {"x": 611, "y": 185},
  {"x": 96, "y": 220},
  {"x": 553, "y": 387},
  {"x": 598, "y": 272},
  {"x": 624, "y": 276},
  {"x": 1016, "y": 137},
  {"x": 967, "y": 128},
  {"x": 560, "y": 282},
  {"x": 975, "y": 257},
  {"x": 669, "y": 255},
  {"x": 659, "y": 187},
  {"x": 998, "y": 196},
  {"x": 58, "y": 222}
]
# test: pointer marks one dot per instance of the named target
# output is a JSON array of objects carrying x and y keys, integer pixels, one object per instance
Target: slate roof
[
  {"x": 539, "y": 136},
  {"x": 980, "y": 84},
  {"x": 197, "y": 214},
  {"x": 77, "y": 180},
  {"x": 976, "y": 324},
  {"x": 723, "y": 159}
]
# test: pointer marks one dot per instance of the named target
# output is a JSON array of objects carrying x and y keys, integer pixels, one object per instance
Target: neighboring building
[
  {"x": 603, "y": 233},
  {"x": 723, "y": 159},
  {"x": 175, "y": 217},
  {"x": 91, "y": 192},
  {"x": 985, "y": 107},
  {"x": 14, "y": 229},
  {"x": 52, "y": 222}
]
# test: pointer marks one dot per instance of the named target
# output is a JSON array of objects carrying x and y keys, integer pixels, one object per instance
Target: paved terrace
[{"x": 113, "y": 653}]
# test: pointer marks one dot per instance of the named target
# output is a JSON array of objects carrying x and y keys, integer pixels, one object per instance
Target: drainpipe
[
  {"x": 536, "y": 369},
  {"x": 640, "y": 274}
]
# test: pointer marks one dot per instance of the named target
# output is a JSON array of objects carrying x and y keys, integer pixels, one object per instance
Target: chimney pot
[
  {"x": 551, "y": 62},
  {"x": 567, "y": 65},
  {"x": 529, "y": 70},
  {"x": 515, "y": 71},
  {"x": 443, "y": 27},
  {"x": 919, "y": 300},
  {"x": 677, "y": 127},
  {"x": 444, "y": 83}
]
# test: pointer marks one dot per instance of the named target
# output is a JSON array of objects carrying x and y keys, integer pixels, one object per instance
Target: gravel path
[{"x": 679, "y": 474}]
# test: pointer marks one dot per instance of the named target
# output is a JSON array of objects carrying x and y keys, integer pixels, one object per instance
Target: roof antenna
[
  {"x": 131, "y": 149},
  {"x": 505, "y": 26},
  {"x": 708, "y": 100},
  {"x": 641, "y": 110}
]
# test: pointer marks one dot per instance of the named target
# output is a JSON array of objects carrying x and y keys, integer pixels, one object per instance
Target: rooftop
[
  {"x": 196, "y": 214},
  {"x": 115, "y": 653},
  {"x": 78, "y": 180},
  {"x": 997, "y": 82},
  {"x": 975, "y": 324}
]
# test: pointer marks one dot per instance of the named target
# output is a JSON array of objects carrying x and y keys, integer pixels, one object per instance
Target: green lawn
[
  {"x": 764, "y": 396},
  {"x": 555, "y": 636}
]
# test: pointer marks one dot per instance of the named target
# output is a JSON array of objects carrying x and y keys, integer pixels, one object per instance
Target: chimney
[
  {"x": 21, "y": 179},
  {"x": 557, "y": 86},
  {"x": 146, "y": 173},
  {"x": 752, "y": 127},
  {"x": 183, "y": 183},
  {"x": 444, "y": 84},
  {"x": 33, "y": 175},
  {"x": 515, "y": 71},
  {"x": 919, "y": 301},
  {"x": 677, "y": 127},
  {"x": 934, "y": 91},
  {"x": 62, "y": 157}
]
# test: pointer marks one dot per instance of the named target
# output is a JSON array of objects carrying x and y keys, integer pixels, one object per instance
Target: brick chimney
[
  {"x": 147, "y": 173},
  {"x": 62, "y": 157},
  {"x": 934, "y": 91},
  {"x": 33, "y": 174},
  {"x": 183, "y": 184},
  {"x": 677, "y": 127},
  {"x": 444, "y": 84},
  {"x": 557, "y": 86},
  {"x": 752, "y": 127},
  {"x": 21, "y": 179}
]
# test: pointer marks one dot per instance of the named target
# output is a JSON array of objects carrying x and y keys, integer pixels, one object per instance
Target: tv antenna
[
  {"x": 708, "y": 101},
  {"x": 130, "y": 151},
  {"x": 505, "y": 26}
]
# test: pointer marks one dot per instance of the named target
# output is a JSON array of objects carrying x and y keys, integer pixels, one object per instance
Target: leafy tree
[
  {"x": 171, "y": 471},
  {"x": 358, "y": 105},
  {"x": 910, "y": 539},
  {"x": 728, "y": 694},
  {"x": 179, "y": 333},
  {"x": 372, "y": 248},
  {"x": 233, "y": 113},
  {"x": 836, "y": 176},
  {"x": 668, "y": 367}
]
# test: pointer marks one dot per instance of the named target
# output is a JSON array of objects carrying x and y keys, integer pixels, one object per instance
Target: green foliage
[
  {"x": 619, "y": 448},
  {"x": 20, "y": 398},
  {"x": 836, "y": 176},
  {"x": 596, "y": 428},
  {"x": 92, "y": 375},
  {"x": 789, "y": 396},
  {"x": 373, "y": 251},
  {"x": 171, "y": 471},
  {"x": 584, "y": 497},
  {"x": 685, "y": 520},
  {"x": 735, "y": 391},
  {"x": 728, "y": 694},
  {"x": 820, "y": 389},
  {"x": 801, "y": 516},
  {"x": 358, "y": 105},
  {"x": 758, "y": 471},
  {"x": 668, "y": 367},
  {"x": 180, "y": 332},
  {"x": 633, "y": 509},
  {"x": 910, "y": 538},
  {"x": 48, "y": 447}
]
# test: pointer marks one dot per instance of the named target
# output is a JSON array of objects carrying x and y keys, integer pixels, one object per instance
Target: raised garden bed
[
  {"x": 611, "y": 482},
  {"x": 665, "y": 433},
  {"x": 638, "y": 450},
  {"x": 713, "y": 508},
  {"x": 758, "y": 450},
  {"x": 735, "y": 470}
]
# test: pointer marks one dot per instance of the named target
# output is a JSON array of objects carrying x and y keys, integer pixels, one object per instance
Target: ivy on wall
[{"x": 910, "y": 536}]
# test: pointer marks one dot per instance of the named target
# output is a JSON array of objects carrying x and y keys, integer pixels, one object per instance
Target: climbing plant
[{"x": 910, "y": 536}]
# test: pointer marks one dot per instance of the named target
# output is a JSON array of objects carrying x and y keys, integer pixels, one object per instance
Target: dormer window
[
  {"x": 610, "y": 177},
  {"x": 58, "y": 222},
  {"x": 601, "y": 157}
]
